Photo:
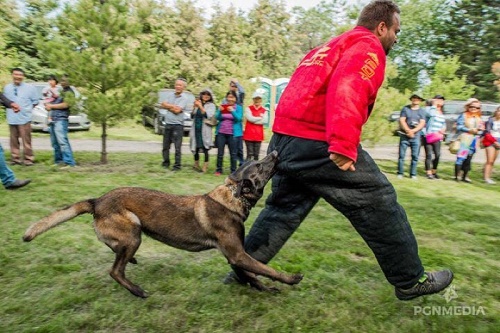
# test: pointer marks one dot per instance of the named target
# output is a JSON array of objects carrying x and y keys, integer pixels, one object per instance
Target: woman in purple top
[{"x": 229, "y": 117}]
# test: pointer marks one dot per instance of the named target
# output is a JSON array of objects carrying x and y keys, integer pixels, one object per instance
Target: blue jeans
[
  {"x": 365, "y": 196},
  {"x": 414, "y": 144},
  {"x": 221, "y": 141},
  {"x": 6, "y": 174},
  {"x": 239, "y": 150},
  {"x": 58, "y": 130}
]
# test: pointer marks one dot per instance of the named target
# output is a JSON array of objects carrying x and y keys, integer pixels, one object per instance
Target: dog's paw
[{"x": 296, "y": 278}]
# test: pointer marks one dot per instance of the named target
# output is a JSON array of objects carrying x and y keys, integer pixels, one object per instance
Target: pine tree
[{"x": 98, "y": 45}]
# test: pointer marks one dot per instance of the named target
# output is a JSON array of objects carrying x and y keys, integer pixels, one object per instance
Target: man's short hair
[
  {"x": 183, "y": 80},
  {"x": 378, "y": 11},
  {"x": 17, "y": 69}
]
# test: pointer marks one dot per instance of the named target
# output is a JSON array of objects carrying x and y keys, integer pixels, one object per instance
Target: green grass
[{"x": 60, "y": 282}]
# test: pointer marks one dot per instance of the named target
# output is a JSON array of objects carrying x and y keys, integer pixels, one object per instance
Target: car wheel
[{"x": 157, "y": 125}]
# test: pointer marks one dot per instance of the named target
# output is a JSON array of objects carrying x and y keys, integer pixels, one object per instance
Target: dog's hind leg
[
  {"x": 132, "y": 261},
  {"x": 117, "y": 272},
  {"x": 124, "y": 238}
]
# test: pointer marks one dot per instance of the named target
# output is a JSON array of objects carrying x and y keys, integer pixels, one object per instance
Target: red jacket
[
  {"x": 254, "y": 126},
  {"x": 331, "y": 93}
]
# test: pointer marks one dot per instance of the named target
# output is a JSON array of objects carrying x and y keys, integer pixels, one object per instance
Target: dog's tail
[{"x": 59, "y": 217}]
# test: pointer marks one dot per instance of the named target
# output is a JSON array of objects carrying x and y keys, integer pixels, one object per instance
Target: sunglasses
[{"x": 475, "y": 107}]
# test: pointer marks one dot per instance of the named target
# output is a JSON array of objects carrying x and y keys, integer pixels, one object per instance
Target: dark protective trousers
[{"x": 365, "y": 196}]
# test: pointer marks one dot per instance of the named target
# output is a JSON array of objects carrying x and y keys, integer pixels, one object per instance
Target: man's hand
[
  {"x": 343, "y": 162},
  {"x": 15, "y": 107},
  {"x": 48, "y": 107}
]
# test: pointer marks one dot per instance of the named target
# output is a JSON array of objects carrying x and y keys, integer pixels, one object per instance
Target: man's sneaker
[
  {"x": 18, "y": 184},
  {"x": 490, "y": 181},
  {"x": 413, "y": 177},
  {"x": 429, "y": 283}
]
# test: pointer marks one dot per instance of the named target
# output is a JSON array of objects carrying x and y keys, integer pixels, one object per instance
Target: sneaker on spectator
[
  {"x": 490, "y": 181},
  {"x": 400, "y": 176},
  {"x": 429, "y": 283},
  {"x": 431, "y": 177},
  {"x": 413, "y": 177}
]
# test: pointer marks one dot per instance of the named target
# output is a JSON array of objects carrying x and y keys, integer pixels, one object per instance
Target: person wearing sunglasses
[
  {"x": 470, "y": 126},
  {"x": 26, "y": 96}
]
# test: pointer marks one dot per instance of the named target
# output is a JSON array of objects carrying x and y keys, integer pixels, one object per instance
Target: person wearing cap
[
  {"x": 200, "y": 134},
  {"x": 253, "y": 135},
  {"x": 411, "y": 121},
  {"x": 435, "y": 124}
]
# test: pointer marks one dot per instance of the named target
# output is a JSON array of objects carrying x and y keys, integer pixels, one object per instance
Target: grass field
[{"x": 60, "y": 282}]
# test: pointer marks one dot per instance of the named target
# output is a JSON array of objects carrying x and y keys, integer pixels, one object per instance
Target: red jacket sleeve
[{"x": 351, "y": 93}]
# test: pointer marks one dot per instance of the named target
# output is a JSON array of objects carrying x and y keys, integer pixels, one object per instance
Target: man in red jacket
[{"x": 317, "y": 130}]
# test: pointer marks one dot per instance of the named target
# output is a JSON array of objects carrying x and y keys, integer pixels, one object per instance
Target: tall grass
[{"x": 60, "y": 282}]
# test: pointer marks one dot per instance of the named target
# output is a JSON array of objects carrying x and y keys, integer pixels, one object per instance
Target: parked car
[
  {"x": 451, "y": 110},
  {"x": 154, "y": 115},
  {"x": 76, "y": 121}
]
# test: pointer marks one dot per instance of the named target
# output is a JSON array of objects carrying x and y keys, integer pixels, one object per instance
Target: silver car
[
  {"x": 76, "y": 121},
  {"x": 154, "y": 115}
]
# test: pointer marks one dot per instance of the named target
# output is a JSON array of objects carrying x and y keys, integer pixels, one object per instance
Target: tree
[
  {"x": 316, "y": 25},
  {"x": 272, "y": 30},
  {"x": 445, "y": 81},
  {"x": 22, "y": 37},
  {"x": 470, "y": 30},
  {"x": 8, "y": 12},
  {"x": 98, "y": 44},
  {"x": 233, "y": 52}
]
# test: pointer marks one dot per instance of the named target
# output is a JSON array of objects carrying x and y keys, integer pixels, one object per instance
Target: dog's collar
[{"x": 241, "y": 198}]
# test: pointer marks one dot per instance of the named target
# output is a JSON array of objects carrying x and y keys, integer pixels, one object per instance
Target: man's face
[
  {"x": 416, "y": 101},
  {"x": 389, "y": 35},
  {"x": 179, "y": 86},
  {"x": 64, "y": 83},
  {"x": 17, "y": 77}
]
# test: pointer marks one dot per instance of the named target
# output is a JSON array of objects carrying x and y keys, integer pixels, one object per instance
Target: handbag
[
  {"x": 487, "y": 140},
  {"x": 454, "y": 146},
  {"x": 433, "y": 137},
  {"x": 212, "y": 121}
]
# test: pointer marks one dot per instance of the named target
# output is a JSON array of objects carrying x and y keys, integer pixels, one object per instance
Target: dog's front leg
[{"x": 236, "y": 255}]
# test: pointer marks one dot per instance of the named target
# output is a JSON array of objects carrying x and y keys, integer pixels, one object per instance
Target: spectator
[
  {"x": 436, "y": 124},
  {"x": 229, "y": 117},
  {"x": 492, "y": 149},
  {"x": 317, "y": 132},
  {"x": 58, "y": 128},
  {"x": 256, "y": 116},
  {"x": 176, "y": 104},
  {"x": 26, "y": 97},
  {"x": 470, "y": 127},
  {"x": 201, "y": 132},
  {"x": 7, "y": 176},
  {"x": 236, "y": 87},
  {"x": 411, "y": 120}
]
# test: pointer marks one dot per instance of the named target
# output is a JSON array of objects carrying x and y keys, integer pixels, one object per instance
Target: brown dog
[{"x": 193, "y": 223}]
